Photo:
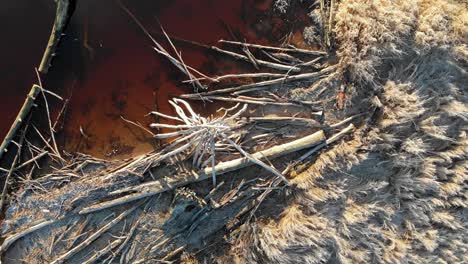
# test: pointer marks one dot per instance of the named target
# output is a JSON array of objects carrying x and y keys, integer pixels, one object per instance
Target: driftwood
[
  {"x": 262, "y": 85},
  {"x": 263, "y": 63},
  {"x": 283, "y": 119},
  {"x": 239, "y": 76},
  {"x": 13, "y": 238},
  {"x": 310, "y": 52},
  {"x": 243, "y": 99},
  {"x": 155, "y": 187},
  {"x": 65, "y": 9},
  {"x": 103, "y": 251}
]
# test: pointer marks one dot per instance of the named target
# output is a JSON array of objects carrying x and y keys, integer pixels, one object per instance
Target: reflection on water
[{"x": 107, "y": 68}]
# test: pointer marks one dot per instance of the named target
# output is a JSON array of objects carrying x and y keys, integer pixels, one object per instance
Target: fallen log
[{"x": 154, "y": 187}]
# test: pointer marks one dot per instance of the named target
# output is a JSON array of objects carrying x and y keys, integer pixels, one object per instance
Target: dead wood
[
  {"x": 239, "y": 76},
  {"x": 65, "y": 9},
  {"x": 155, "y": 187},
  {"x": 284, "y": 119},
  {"x": 243, "y": 99},
  {"x": 272, "y": 65},
  {"x": 310, "y": 52},
  {"x": 160, "y": 49}
]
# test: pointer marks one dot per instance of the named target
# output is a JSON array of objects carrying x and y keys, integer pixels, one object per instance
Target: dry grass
[{"x": 396, "y": 193}]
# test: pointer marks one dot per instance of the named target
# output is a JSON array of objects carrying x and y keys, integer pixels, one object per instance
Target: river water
[{"x": 107, "y": 68}]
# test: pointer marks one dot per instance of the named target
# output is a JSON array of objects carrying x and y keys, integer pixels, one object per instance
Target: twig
[
  {"x": 255, "y": 160},
  {"x": 310, "y": 52},
  {"x": 160, "y": 49},
  {"x": 244, "y": 99},
  {"x": 251, "y": 57},
  {"x": 62, "y": 111},
  {"x": 328, "y": 142},
  {"x": 47, "y": 143},
  {"x": 34, "y": 159},
  {"x": 347, "y": 120},
  {"x": 13, "y": 238},
  {"x": 264, "y": 84}
]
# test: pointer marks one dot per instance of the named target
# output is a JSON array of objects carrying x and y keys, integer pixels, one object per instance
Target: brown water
[{"x": 107, "y": 68}]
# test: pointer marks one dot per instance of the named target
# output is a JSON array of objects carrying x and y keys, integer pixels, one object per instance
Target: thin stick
[
  {"x": 103, "y": 251},
  {"x": 196, "y": 84},
  {"x": 13, "y": 164},
  {"x": 160, "y": 49},
  {"x": 62, "y": 111},
  {"x": 245, "y": 100},
  {"x": 42, "y": 154},
  {"x": 46, "y": 142},
  {"x": 251, "y": 57},
  {"x": 125, "y": 242},
  {"x": 256, "y": 161},
  {"x": 95, "y": 235},
  {"x": 63, "y": 15},
  {"x": 328, "y": 142},
  {"x": 345, "y": 121},
  {"x": 264, "y": 84},
  {"x": 311, "y": 52},
  {"x": 304, "y": 121},
  {"x": 138, "y": 125},
  {"x": 241, "y": 75},
  {"x": 272, "y": 65},
  {"x": 48, "y": 118}
]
